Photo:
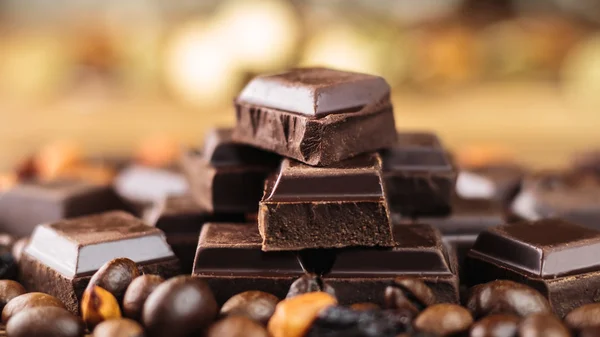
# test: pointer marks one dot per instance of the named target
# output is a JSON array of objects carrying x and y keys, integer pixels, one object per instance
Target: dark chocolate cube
[
  {"x": 418, "y": 175},
  {"x": 315, "y": 115},
  {"x": 181, "y": 219},
  {"x": 61, "y": 257},
  {"x": 558, "y": 258},
  {"x": 228, "y": 177},
  {"x": 325, "y": 207},
  {"x": 29, "y": 204}
]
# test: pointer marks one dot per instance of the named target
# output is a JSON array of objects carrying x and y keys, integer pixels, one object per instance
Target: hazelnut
[
  {"x": 97, "y": 305},
  {"x": 294, "y": 316}
]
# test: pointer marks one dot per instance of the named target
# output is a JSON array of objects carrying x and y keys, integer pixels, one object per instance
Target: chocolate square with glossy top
[
  {"x": 325, "y": 207},
  {"x": 557, "y": 257}
]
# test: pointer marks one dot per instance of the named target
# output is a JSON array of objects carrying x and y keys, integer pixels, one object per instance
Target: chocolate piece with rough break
[
  {"x": 181, "y": 219},
  {"x": 571, "y": 196},
  {"x": 32, "y": 203},
  {"x": 418, "y": 175},
  {"x": 226, "y": 176},
  {"x": 325, "y": 207},
  {"x": 317, "y": 116},
  {"x": 61, "y": 257},
  {"x": 558, "y": 258}
]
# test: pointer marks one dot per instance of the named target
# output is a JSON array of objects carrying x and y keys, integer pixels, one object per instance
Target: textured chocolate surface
[
  {"x": 554, "y": 256},
  {"x": 328, "y": 116},
  {"x": 230, "y": 259},
  {"x": 325, "y": 207},
  {"x": 572, "y": 196},
  {"x": 29, "y": 204},
  {"x": 227, "y": 177},
  {"x": 181, "y": 219},
  {"x": 418, "y": 175},
  {"x": 499, "y": 182}
]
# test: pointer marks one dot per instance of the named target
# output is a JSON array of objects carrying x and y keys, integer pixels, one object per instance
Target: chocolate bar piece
[
  {"x": 325, "y": 207},
  {"x": 460, "y": 229},
  {"x": 228, "y": 177},
  {"x": 315, "y": 115},
  {"x": 361, "y": 275},
  {"x": 558, "y": 258},
  {"x": 230, "y": 259},
  {"x": 181, "y": 219},
  {"x": 573, "y": 196},
  {"x": 499, "y": 182},
  {"x": 29, "y": 204},
  {"x": 418, "y": 175},
  {"x": 62, "y": 256},
  {"x": 144, "y": 186}
]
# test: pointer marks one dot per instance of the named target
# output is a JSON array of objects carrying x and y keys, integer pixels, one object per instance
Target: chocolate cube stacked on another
[{"x": 327, "y": 208}]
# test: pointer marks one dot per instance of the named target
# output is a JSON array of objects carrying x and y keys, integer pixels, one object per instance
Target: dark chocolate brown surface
[
  {"x": 325, "y": 207},
  {"x": 418, "y": 175},
  {"x": 554, "y": 256},
  {"x": 573, "y": 196},
  {"x": 303, "y": 116},
  {"x": 29, "y": 204},
  {"x": 499, "y": 182},
  {"x": 220, "y": 150}
]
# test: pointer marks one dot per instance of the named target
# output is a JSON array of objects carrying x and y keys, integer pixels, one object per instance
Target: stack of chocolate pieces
[{"x": 317, "y": 168}]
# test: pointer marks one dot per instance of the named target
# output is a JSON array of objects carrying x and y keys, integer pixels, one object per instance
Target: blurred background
[{"x": 516, "y": 79}]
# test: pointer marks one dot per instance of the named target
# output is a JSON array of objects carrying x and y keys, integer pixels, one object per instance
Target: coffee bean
[
  {"x": 309, "y": 283},
  {"x": 30, "y": 300},
  {"x": 122, "y": 327},
  {"x": 590, "y": 332},
  {"x": 585, "y": 316},
  {"x": 293, "y": 316},
  {"x": 498, "y": 325},
  {"x": 18, "y": 247},
  {"x": 338, "y": 321},
  {"x": 8, "y": 290},
  {"x": 179, "y": 307},
  {"x": 45, "y": 322},
  {"x": 506, "y": 297},
  {"x": 256, "y": 305},
  {"x": 115, "y": 276},
  {"x": 543, "y": 325},
  {"x": 409, "y": 292},
  {"x": 444, "y": 319},
  {"x": 98, "y": 305},
  {"x": 237, "y": 326},
  {"x": 136, "y": 294}
]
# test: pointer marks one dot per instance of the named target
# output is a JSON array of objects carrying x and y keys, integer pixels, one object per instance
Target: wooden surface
[{"x": 533, "y": 120}]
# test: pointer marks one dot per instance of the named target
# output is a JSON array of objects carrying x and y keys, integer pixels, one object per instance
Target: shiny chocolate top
[
  {"x": 315, "y": 91},
  {"x": 358, "y": 178},
  {"x": 82, "y": 245},
  {"x": 545, "y": 248},
  {"x": 221, "y": 150},
  {"x": 416, "y": 151}
]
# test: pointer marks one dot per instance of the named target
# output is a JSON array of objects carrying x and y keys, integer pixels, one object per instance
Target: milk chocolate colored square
[
  {"x": 317, "y": 116},
  {"x": 418, "y": 175},
  {"x": 31, "y": 203},
  {"x": 62, "y": 256},
  {"x": 337, "y": 206},
  {"x": 558, "y": 258},
  {"x": 226, "y": 176},
  {"x": 181, "y": 219}
]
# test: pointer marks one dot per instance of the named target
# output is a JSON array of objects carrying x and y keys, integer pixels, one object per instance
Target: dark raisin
[{"x": 342, "y": 321}]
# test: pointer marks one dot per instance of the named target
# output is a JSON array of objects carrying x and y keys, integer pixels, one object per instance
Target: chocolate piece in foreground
[
  {"x": 228, "y": 177},
  {"x": 325, "y": 207},
  {"x": 362, "y": 274},
  {"x": 61, "y": 257},
  {"x": 318, "y": 116},
  {"x": 29, "y": 204},
  {"x": 418, "y": 175},
  {"x": 499, "y": 182},
  {"x": 460, "y": 229},
  {"x": 558, "y": 258},
  {"x": 230, "y": 259},
  {"x": 181, "y": 219},
  {"x": 571, "y": 196}
]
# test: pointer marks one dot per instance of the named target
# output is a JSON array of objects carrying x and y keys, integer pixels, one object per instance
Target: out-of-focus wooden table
[{"x": 533, "y": 120}]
